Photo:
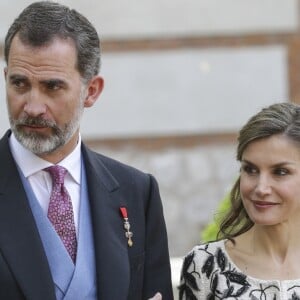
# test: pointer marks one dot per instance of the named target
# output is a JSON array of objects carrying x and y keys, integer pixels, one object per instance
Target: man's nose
[{"x": 34, "y": 105}]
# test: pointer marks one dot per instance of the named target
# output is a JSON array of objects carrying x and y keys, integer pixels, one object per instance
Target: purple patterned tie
[{"x": 60, "y": 210}]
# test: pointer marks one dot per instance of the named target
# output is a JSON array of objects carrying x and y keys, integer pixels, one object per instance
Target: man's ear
[{"x": 93, "y": 90}]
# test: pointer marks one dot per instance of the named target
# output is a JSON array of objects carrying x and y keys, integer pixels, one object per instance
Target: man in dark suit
[{"x": 104, "y": 236}]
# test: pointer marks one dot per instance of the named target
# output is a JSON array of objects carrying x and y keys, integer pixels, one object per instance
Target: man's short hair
[{"x": 41, "y": 22}]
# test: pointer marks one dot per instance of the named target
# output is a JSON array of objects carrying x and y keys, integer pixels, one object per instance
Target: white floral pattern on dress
[{"x": 208, "y": 273}]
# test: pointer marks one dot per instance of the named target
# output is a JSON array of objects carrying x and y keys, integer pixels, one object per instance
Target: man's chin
[{"x": 38, "y": 143}]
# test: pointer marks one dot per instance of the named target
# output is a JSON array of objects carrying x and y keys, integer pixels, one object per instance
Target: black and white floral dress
[{"x": 208, "y": 273}]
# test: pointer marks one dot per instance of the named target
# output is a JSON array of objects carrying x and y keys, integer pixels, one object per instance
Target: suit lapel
[
  {"x": 112, "y": 264},
  {"x": 20, "y": 243}
]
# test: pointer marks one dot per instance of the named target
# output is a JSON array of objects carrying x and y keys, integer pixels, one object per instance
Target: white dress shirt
[{"x": 41, "y": 182}]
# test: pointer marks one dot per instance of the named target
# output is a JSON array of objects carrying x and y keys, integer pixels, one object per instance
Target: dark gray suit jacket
[{"x": 123, "y": 273}]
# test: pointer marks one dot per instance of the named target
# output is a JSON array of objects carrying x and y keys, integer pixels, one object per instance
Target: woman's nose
[{"x": 263, "y": 185}]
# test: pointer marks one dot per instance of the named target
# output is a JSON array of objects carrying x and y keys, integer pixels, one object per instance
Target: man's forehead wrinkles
[
  {"x": 40, "y": 68},
  {"x": 45, "y": 76}
]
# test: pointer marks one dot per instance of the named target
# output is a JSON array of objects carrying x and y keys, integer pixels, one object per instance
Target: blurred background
[{"x": 181, "y": 78}]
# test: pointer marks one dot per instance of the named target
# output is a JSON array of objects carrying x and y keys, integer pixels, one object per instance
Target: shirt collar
[{"x": 29, "y": 163}]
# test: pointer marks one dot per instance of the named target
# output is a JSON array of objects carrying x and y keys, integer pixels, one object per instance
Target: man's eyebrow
[
  {"x": 54, "y": 81},
  {"x": 17, "y": 77}
]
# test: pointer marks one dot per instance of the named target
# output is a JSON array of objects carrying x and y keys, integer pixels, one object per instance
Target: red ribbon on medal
[{"x": 128, "y": 233}]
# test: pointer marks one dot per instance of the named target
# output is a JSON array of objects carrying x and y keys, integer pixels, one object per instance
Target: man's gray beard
[{"x": 39, "y": 143}]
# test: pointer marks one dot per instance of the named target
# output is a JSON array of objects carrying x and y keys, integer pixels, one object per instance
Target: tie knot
[{"x": 57, "y": 173}]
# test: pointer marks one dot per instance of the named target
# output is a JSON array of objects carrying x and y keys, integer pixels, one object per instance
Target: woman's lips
[{"x": 264, "y": 204}]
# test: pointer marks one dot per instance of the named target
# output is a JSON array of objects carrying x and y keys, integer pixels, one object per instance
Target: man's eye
[
  {"x": 53, "y": 86},
  {"x": 18, "y": 83},
  {"x": 281, "y": 172}
]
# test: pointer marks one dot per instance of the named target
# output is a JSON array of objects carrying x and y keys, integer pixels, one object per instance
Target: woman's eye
[{"x": 249, "y": 170}]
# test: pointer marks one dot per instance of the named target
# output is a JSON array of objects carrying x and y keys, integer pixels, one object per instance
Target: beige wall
[
  {"x": 179, "y": 92},
  {"x": 139, "y": 19}
]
